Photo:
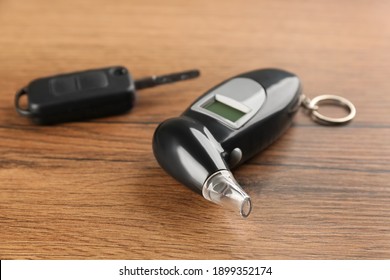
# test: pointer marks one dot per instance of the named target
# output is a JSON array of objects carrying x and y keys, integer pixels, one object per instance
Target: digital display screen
[{"x": 224, "y": 110}]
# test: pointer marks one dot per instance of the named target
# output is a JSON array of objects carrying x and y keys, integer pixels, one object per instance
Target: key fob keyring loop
[
  {"x": 313, "y": 105},
  {"x": 20, "y": 110}
]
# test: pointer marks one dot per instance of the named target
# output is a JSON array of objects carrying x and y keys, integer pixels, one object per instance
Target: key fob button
[
  {"x": 92, "y": 80},
  {"x": 78, "y": 83},
  {"x": 63, "y": 85}
]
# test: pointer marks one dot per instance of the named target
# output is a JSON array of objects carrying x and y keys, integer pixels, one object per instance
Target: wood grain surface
[{"x": 93, "y": 189}]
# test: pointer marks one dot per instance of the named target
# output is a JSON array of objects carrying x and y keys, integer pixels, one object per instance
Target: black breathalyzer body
[{"x": 225, "y": 127}]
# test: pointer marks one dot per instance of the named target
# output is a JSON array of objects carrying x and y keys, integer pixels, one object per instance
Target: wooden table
[{"x": 93, "y": 189}]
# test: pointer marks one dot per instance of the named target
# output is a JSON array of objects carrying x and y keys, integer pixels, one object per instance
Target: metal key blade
[{"x": 166, "y": 79}]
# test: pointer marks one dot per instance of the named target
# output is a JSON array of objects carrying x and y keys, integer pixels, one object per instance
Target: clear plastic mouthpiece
[{"x": 223, "y": 189}]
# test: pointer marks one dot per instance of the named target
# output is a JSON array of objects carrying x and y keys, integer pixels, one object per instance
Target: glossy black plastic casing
[
  {"x": 195, "y": 145},
  {"x": 81, "y": 95}
]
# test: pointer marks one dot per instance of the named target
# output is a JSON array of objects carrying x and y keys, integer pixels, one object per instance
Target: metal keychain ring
[
  {"x": 332, "y": 100},
  {"x": 21, "y": 111}
]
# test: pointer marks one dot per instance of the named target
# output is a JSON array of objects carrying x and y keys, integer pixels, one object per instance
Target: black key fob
[
  {"x": 79, "y": 95},
  {"x": 87, "y": 94}
]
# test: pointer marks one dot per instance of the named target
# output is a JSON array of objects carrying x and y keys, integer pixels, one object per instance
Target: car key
[
  {"x": 228, "y": 125},
  {"x": 87, "y": 94}
]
